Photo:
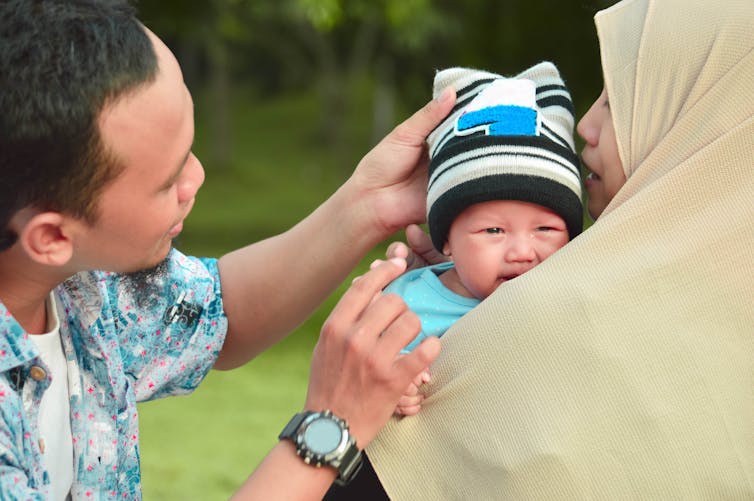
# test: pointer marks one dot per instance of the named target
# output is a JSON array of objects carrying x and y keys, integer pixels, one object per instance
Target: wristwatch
[{"x": 323, "y": 439}]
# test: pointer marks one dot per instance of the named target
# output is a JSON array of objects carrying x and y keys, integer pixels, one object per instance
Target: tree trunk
[{"x": 220, "y": 147}]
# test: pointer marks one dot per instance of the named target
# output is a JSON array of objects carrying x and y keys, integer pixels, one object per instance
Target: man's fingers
[
  {"x": 418, "y": 239},
  {"x": 417, "y": 127},
  {"x": 363, "y": 290},
  {"x": 429, "y": 117},
  {"x": 403, "y": 329},
  {"x": 422, "y": 246},
  {"x": 421, "y": 357}
]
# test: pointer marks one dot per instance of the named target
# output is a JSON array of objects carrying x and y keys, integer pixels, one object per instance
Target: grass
[{"x": 204, "y": 445}]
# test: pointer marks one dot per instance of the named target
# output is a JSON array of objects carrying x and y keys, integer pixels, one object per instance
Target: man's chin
[
  {"x": 154, "y": 263},
  {"x": 162, "y": 256},
  {"x": 149, "y": 269}
]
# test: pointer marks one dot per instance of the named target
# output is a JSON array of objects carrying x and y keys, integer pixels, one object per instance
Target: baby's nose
[{"x": 520, "y": 249}]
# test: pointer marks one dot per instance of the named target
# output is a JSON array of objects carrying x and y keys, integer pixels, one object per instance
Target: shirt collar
[{"x": 15, "y": 346}]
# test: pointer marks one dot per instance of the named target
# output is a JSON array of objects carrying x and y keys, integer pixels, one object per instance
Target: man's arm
[{"x": 271, "y": 286}]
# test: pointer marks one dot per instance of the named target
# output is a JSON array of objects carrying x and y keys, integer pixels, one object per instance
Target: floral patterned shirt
[{"x": 127, "y": 339}]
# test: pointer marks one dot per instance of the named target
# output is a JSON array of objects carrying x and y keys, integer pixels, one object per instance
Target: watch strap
[
  {"x": 350, "y": 464},
  {"x": 293, "y": 425}
]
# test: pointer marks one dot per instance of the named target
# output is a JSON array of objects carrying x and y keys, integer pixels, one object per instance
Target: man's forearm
[
  {"x": 271, "y": 286},
  {"x": 283, "y": 475}
]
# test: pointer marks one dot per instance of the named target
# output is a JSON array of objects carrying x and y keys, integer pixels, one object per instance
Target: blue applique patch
[
  {"x": 506, "y": 107},
  {"x": 504, "y": 120}
]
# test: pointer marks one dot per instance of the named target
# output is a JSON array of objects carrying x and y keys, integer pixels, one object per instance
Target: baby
[{"x": 504, "y": 190}]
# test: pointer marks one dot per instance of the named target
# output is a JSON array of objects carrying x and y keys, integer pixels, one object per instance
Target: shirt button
[
  {"x": 37, "y": 373},
  {"x": 42, "y": 445}
]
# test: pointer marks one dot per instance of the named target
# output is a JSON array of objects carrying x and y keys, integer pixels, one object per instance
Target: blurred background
[{"x": 289, "y": 95}]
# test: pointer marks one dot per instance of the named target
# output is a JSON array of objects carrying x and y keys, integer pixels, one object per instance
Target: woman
[{"x": 623, "y": 366}]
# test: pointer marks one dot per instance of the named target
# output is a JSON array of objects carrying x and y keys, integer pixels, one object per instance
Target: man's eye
[{"x": 494, "y": 231}]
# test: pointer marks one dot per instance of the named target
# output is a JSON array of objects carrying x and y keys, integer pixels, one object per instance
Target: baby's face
[{"x": 493, "y": 242}]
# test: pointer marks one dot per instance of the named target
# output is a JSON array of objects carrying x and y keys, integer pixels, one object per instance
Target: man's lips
[
  {"x": 175, "y": 230},
  {"x": 178, "y": 227}
]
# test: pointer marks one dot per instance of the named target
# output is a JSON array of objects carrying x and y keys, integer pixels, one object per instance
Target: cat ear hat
[{"x": 506, "y": 139}]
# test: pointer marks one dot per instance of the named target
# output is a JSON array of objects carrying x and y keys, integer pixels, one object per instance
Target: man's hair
[{"x": 61, "y": 62}]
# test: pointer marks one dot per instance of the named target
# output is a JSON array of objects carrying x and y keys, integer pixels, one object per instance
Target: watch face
[{"x": 322, "y": 436}]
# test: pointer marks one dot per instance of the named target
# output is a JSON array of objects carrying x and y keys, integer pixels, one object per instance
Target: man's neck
[{"x": 24, "y": 289}]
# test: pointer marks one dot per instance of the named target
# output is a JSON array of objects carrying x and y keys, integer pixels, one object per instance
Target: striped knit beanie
[{"x": 506, "y": 139}]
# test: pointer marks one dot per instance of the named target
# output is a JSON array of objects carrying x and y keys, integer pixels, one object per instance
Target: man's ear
[{"x": 45, "y": 238}]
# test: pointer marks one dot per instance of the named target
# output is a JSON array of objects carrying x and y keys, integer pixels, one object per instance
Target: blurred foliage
[{"x": 395, "y": 46}]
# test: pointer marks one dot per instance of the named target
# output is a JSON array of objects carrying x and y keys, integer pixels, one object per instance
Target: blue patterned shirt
[{"x": 127, "y": 339}]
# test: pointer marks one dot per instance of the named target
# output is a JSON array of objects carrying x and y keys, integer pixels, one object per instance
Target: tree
[{"x": 389, "y": 47}]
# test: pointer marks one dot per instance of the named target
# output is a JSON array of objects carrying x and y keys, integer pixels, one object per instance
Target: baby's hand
[{"x": 411, "y": 402}]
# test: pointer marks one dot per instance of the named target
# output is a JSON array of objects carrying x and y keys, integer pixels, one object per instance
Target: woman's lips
[
  {"x": 593, "y": 176},
  {"x": 591, "y": 180}
]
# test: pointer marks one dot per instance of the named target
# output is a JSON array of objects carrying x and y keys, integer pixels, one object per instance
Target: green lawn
[{"x": 203, "y": 446}]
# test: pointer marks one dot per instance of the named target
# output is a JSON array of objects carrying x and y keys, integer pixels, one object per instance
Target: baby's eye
[
  {"x": 494, "y": 231},
  {"x": 546, "y": 228}
]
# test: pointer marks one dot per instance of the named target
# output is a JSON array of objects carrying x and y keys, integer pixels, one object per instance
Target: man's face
[
  {"x": 150, "y": 131},
  {"x": 493, "y": 242}
]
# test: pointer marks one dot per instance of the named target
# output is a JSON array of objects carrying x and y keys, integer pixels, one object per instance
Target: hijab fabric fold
[{"x": 623, "y": 366}]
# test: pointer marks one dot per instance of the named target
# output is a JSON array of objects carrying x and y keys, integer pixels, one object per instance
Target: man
[{"x": 98, "y": 174}]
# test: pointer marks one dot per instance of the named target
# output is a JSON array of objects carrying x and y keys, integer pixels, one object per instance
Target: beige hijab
[{"x": 623, "y": 366}]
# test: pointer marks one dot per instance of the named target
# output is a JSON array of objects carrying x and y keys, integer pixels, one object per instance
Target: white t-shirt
[{"x": 54, "y": 411}]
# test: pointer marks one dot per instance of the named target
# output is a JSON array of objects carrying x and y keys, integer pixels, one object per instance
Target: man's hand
[
  {"x": 391, "y": 180},
  {"x": 357, "y": 369}
]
